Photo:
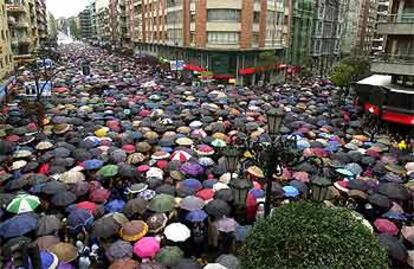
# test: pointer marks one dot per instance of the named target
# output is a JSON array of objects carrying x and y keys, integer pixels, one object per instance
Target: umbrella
[
  {"x": 290, "y": 191},
  {"x": 177, "y": 232},
  {"x": 119, "y": 250},
  {"x": 71, "y": 177},
  {"x": 105, "y": 227},
  {"x": 395, "y": 248},
  {"x": 79, "y": 218},
  {"x": 64, "y": 251},
  {"x": 157, "y": 222},
  {"x": 108, "y": 171},
  {"x": 214, "y": 266},
  {"x": 196, "y": 216},
  {"x": 48, "y": 224},
  {"x": 187, "y": 264},
  {"x": 192, "y": 169},
  {"x": 124, "y": 263},
  {"x": 408, "y": 233},
  {"x": 53, "y": 187},
  {"x": 146, "y": 247},
  {"x": 49, "y": 260},
  {"x": 386, "y": 226},
  {"x": 133, "y": 230},
  {"x": 45, "y": 242},
  {"x": 151, "y": 265},
  {"x": 93, "y": 164},
  {"x": 99, "y": 195},
  {"x": 115, "y": 205},
  {"x": 135, "y": 206},
  {"x": 226, "y": 225},
  {"x": 394, "y": 191},
  {"x": 191, "y": 203},
  {"x": 192, "y": 184},
  {"x": 19, "y": 225},
  {"x": 64, "y": 198},
  {"x": 242, "y": 232},
  {"x": 229, "y": 261},
  {"x": 217, "y": 208},
  {"x": 379, "y": 200},
  {"x": 89, "y": 206},
  {"x": 23, "y": 203},
  {"x": 181, "y": 155},
  {"x": 169, "y": 255},
  {"x": 162, "y": 203}
]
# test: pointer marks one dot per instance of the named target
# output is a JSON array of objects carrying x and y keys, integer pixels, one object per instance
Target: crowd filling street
[{"x": 127, "y": 169}]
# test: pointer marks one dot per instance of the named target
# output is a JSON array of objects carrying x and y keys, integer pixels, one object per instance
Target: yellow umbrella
[
  {"x": 133, "y": 230},
  {"x": 255, "y": 171}
]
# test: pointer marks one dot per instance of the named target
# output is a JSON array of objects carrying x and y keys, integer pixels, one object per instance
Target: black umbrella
[
  {"x": 187, "y": 264},
  {"x": 48, "y": 224},
  {"x": 166, "y": 189},
  {"x": 53, "y": 187},
  {"x": 218, "y": 208},
  {"x": 358, "y": 184},
  {"x": 394, "y": 191},
  {"x": 135, "y": 206},
  {"x": 63, "y": 198},
  {"x": 379, "y": 200},
  {"x": 81, "y": 154},
  {"x": 394, "y": 247},
  {"x": 224, "y": 194}
]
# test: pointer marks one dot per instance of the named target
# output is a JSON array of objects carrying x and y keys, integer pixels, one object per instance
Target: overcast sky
[{"x": 65, "y": 8}]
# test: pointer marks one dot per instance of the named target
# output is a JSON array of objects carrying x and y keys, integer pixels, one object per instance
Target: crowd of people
[{"x": 125, "y": 169}]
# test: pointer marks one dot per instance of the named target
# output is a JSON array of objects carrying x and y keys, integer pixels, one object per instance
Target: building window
[
  {"x": 2, "y": 35},
  {"x": 223, "y": 15},
  {"x": 256, "y": 17},
  {"x": 225, "y": 38},
  {"x": 6, "y": 60}
]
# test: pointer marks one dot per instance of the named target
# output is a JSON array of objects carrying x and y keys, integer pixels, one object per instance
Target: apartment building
[
  {"x": 397, "y": 57},
  {"x": 6, "y": 56},
  {"x": 381, "y": 15},
  {"x": 227, "y": 38},
  {"x": 85, "y": 23},
  {"x": 134, "y": 20},
  {"x": 103, "y": 29},
  {"x": 41, "y": 21},
  {"x": 359, "y": 27},
  {"x": 328, "y": 30},
  {"x": 118, "y": 23}
]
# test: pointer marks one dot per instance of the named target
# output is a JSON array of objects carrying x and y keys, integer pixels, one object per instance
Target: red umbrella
[
  {"x": 99, "y": 195},
  {"x": 205, "y": 194},
  {"x": 386, "y": 226},
  {"x": 89, "y": 206}
]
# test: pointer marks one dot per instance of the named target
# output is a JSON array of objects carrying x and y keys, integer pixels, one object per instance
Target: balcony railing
[
  {"x": 394, "y": 59},
  {"x": 404, "y": 17}
]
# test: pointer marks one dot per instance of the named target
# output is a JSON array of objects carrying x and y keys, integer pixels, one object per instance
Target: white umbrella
[
  {"x": 177, "y": 232},
  {"x": 214, "y": 266}
]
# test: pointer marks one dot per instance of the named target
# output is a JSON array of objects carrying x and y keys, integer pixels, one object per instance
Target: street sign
[
  {"x": 30, "y": 88},
  {"x": 173, "y": 65},
  {"x": 180, "y": 65}
]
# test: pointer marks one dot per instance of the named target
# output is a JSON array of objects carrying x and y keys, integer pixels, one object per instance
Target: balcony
[
  {"x": 393, "y": 65},
  {"x": 397, "y": 24},
  {"x": 15, "y": 8}
]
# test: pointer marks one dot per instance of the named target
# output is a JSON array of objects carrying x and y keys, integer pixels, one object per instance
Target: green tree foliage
[
  {"x": 312, "y": 236},
  {"x": 350, "y": 70}
]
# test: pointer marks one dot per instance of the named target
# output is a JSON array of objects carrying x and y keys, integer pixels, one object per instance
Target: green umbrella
[
  {"x": 169, "y": 255},
  {"x": 109, "y": 170},
  {"x": 218, "y": 143},
  {"x": 23, "y": 203},
  {"x": 162, "y": 203}
]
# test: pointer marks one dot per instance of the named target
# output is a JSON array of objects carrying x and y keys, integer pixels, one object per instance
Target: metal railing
[
  {"x": 396, "y": 59},
  {"x": 404, "y": 17}
]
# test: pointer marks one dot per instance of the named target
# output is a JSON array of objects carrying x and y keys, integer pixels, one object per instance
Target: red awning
[
  {"x": 195, "y": 68},
  {"x": 263, "y": 68},
  {"x": 247, "y": 71},
  {"x": 390, "y": 116}
]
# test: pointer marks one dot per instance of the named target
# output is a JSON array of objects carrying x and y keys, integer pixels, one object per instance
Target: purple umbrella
[{"x": 192, "y": 169}]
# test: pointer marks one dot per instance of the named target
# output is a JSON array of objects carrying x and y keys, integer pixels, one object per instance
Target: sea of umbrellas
[{"x": 128, "y": 170}]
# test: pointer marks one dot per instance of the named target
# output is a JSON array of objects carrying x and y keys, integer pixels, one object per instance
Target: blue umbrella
[
  {"x": 115, "y": 205},
  {"x": 192, "y": 184},
  {"x": 49, "y": 260},
  {"x": 196, "y": 216},
  {"x": 79, "y": 218},
  {"x": 242, "y": 232},
  {"x": 257, "y": 193},
  {"x": 395, "y": 215},
  {"x": 345, "y": 172},
  {"x": 19, "y": 225},
  {"x": 93, "y": 164},
  {"x": 167, "y": 149},
  {"x": 209, "y": 183},
  {"x": 290, "y": 191}
]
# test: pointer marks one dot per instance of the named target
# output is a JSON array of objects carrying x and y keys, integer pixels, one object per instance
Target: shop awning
[
  {"x": 195, "y": 68},
  {"x": 263, "y": 68},
  {"x": 222, "y": 76}
]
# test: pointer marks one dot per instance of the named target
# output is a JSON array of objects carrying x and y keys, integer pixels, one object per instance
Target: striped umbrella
[
  {"x": 23, "y": 203},
  {"x": 181, "y": 155}
]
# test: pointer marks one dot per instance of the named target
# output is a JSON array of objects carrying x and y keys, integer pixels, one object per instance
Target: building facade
[
  {"x": 134, "y": 20},
  {"x": 301, "y": 23},
  {"x": 118, "y": 23},
  {"x": 242, "y": 40},
  {"x": 381, "y": 15},
  {"x": 85, "y": 21},
  {"x": 41, "y": 21},
  {"x": 359, "y": 27},
  {"x": 6, "y": 56},
  {"x": 103, "y": 30},
  {"x": 397, "y": 57},
  {"x": 328, "y": 29}
]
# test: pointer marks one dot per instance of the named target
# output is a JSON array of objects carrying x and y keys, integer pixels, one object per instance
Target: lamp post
[
  {"x": 275, "y": 154},
  {"x": 319, "y": 188}
]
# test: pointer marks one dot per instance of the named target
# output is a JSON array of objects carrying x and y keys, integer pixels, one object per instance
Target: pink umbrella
[
  {"x": 146, "y": 247},
  {"x": 143, "y": 168},
  {"x": 301, "y": 176},
  {"x": 181, "y": 155},
  {"x": 408, "y": 233},
  {"x": 99, "y": 195},
  {"x": 386, "y": 226}
]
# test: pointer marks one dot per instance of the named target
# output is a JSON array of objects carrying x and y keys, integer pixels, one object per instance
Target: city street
[{"x": 133, "y": 167}]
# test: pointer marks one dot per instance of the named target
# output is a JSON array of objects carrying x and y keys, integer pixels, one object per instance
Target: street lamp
[
  {"x": 319, "y": 188},
  {"x": 274, "y": 120},
  {"x": 240, "y": 189},
  {"x": 231, "y": 159}
]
